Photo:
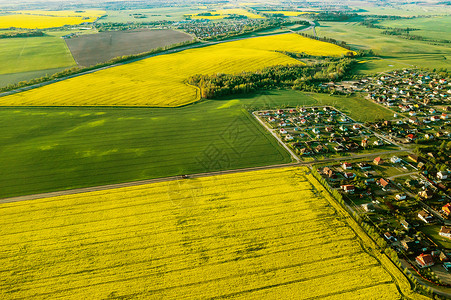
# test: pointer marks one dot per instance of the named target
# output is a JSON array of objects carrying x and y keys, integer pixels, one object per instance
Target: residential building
[
  {"x": 445, "y": 231},
  {"x": 424, "y": 260}
]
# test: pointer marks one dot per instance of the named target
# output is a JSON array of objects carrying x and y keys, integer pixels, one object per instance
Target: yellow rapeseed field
[
  {"x": 254, "y": 235},
  {"x": 222, "y": 13},
  {"x": 64, "y": 13},
  {"x": 160, "y": 80},
  {"x": 47, "y": 19}
]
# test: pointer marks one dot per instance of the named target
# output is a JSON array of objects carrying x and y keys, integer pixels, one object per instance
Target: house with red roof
[
  {"x": 346, "y": 166},
  {"x": 382, "y": 182},
  {"x": 447, "y": 209},
  {"x": 378, "y": 161},
  {"x": 348, "y": 188},
  {"x": 424, "y": 260}
]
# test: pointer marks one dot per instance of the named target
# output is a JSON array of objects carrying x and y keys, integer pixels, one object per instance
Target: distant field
[
  {"x": 46, "y": 19},
  {"x": 92, "y": 49},
  {"x": 394, "y": 50},
  {"x": 34, "y": 53},
  {"x": 437, "y": 27},
  {"x": 287, "y": 13},
  {"x": 255, "y": 235},
  {"x": 48, "y": 149},
  {"x": 159, "y": 81},
  {"x": 12, "y": 78},
  {"x": 149, "y": 15},
  {"x": 413, "y": 9},
  {"x": 222, "y": 13}
]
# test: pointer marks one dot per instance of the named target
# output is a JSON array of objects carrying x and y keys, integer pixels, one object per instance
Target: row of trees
[
  {"x": 16, "y": 34},
  {"x": 298, "y": 77},
  {"x": 333, "y": 16},
  {"x": 326, "y": 39}
]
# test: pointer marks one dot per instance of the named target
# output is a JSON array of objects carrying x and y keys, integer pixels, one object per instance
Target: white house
[
  {"x": 442, "y": 175},
  {"x": 401, "y": 196},
  {"x": 395, "y": 159},
  {"x": 425, "y": 216}
]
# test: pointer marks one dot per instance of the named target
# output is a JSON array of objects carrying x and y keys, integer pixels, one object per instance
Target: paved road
[{"x": 172, "y": 178}]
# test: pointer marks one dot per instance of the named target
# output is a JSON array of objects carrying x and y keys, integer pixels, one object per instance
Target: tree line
[
  {"x": 17, "y": 34},
  {"x": 299, "y": 77}
]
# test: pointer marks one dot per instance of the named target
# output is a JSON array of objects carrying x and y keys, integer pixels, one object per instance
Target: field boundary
[{"x": 138, "y": 183}]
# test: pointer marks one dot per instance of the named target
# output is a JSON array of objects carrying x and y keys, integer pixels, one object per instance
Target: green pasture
[
  {"x": 404, "y": 10},
  {"x": 393, "y": 50},
  {"x": 34, "y": 53},
  {"x": 436, "y": 27},
  {"x": 48, "y": 149}
]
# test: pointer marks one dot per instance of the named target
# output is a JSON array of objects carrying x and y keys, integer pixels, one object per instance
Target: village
[
  {"x": 400, "y": 187},
  {"x": 316, "y": 133},
  {"x": 205, "y": 29},
  {"x": 414, "y": 216}
]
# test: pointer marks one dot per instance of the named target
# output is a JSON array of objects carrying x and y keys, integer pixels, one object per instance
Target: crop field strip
[
  {"x": 160, "y": 81},
  {"x": 47, "y": 19},
  {"x": 64, "y": 149},
  {"x": 91, "y": 49},
  {"x": 397, "y": 52},
  {"x": 19, "y": 55},
  {"x": 148, "y": 150},
  {"x": 228, "y": 241}
]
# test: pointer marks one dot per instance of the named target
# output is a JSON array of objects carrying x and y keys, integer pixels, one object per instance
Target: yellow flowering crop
[
  {"x": 253, "y": 235},
  {"x": 160, "y": 81},
  {"x": 47, "y": 19}
]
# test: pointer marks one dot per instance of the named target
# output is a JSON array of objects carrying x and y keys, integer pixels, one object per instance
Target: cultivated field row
[
  {"x": 160, "y": 81},
  {"x": 253, "y": 234}
]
